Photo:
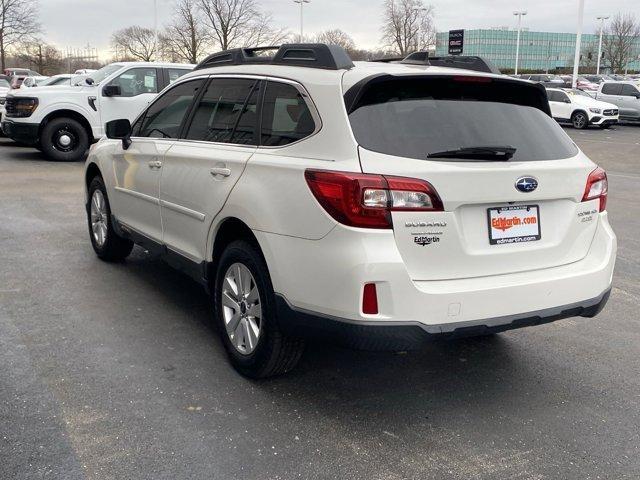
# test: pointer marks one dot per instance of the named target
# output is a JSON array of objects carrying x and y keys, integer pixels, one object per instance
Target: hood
[{"x": 53, "y": 89}]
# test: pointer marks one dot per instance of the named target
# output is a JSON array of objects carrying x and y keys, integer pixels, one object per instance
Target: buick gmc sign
[{"x": 456, "y": 42}]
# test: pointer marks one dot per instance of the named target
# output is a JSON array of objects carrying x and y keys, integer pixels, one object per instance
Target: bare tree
[
  {"x": 185, "y": 38},
  {"x": 336, "y": 37},
  {"x": 618, "y": 41},
  {"x": 135, "y": 42},
  {"x": 18, "y": 23},
  {"x": 239, "y": 23},
  {"x": 46, "y": 59},
  {"x": 408, "y": 26}
]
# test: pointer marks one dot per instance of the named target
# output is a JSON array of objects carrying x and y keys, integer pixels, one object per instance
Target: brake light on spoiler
[{"x": 366, "y": 200}]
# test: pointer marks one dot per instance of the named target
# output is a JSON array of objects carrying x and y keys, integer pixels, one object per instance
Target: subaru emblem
[{"x": 526, "y": 184}]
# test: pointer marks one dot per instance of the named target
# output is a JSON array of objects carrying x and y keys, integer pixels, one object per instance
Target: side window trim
[
  {"x": 142, "y": 116},
  {"x": 256, "y": 137}
]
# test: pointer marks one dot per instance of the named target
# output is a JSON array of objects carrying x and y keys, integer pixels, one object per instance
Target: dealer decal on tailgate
[{"x": 514, "y": 224}]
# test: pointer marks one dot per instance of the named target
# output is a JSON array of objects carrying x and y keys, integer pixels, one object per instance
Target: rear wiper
[{"x": 496, "y": 153}]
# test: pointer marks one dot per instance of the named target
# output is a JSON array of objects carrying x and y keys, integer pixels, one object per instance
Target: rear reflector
[
  {"x": 370, "y": 299},
  {"x": 597, "y": 187},
  {"x": 366, "y": 201}
]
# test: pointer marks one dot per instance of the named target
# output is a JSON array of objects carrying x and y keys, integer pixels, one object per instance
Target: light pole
[
  {"x": 518, "y": 14},
  {"x": 155, "y": 27},
  {"x": 576, "y": 59},
  {"x": 602, "y": 19},
  {"x": 301, "y": 2}
]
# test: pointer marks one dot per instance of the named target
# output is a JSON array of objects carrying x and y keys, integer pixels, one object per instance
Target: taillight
[
  {"x": 366, "y": 201},
  {"x": 597, "y": 187}
]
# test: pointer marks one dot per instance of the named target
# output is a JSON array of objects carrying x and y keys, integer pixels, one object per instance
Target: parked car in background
[
  {"x": 545, "y": 79},
  {"x": 16, "y": 81},
  {"x": 598, "y": 79},
  {"x": 32, "y": 81},
  {"x": 84, "y": 71},
  {"x": 625, "y": 95},
  {"x": 5, "y": 86},
  {"x": 21, "y": 72},
  {"x": 582, "y": 84},
  {"x": 63, "y": 120},
  {"x": 319, "y": 197},
  {"x": 580, "y": 109},
  {"x": 61, "y": 79}
]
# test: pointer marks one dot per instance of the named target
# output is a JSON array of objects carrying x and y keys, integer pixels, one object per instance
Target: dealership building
[{"x": 540, "y": 51}]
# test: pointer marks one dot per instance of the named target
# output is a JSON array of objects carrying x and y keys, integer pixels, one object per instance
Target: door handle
[
  {"x": 155, "y": 164},
  {"x": 222, "y": 171}
]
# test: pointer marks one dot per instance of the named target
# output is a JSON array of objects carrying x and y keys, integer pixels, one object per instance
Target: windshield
[
  {"x": 416, "y": 118},
  {"x": 104, "y": 72},
  {"x": 580, "y": 93}
]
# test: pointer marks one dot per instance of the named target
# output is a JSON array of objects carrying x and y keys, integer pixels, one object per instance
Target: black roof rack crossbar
[{"x": 310, "y": 55}]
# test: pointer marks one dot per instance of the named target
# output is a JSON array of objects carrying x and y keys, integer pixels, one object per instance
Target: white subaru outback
[
  {"x": 62, "y": 121},
  {"x": 376, "y": 204}
]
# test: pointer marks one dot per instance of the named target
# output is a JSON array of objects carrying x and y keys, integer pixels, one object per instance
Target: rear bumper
[
  {"x": 26, "y": 133},
  {"x": 412, "y": 335},
  {"x": 320, "y": 284}
]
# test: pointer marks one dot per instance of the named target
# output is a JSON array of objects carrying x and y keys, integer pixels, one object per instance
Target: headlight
[
  {"x": 595, "y": 110},
  {"x": 20, "y": 107}
]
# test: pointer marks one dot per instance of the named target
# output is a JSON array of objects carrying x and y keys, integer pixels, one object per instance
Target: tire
[
  {"x": 580, "y": 120},
  {"x": 268, "y": 352},
  {"x": 110, "y": 247},
  {"x": 64, "y": 140}
]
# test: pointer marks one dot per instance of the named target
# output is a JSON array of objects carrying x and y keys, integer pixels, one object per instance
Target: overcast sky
[{"x": 78, "y": 22}]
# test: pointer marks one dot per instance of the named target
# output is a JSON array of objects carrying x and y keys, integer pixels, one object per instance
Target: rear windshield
[{"x": 416, "y": 117}]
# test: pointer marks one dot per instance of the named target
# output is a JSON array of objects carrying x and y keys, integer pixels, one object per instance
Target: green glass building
[{"x": 539, "y": 51}]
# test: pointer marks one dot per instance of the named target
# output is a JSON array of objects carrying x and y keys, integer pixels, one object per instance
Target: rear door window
[
  {"x": 629, "y": 90},
  {"x": 420, "y": 116},
  {"x": 612, "y": 89},
  {"x": 225, "y": 105}
]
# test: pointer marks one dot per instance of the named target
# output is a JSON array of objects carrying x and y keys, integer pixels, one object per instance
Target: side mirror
[
  {"x": 112, "y": 91},
  {"x": 567, "y": 100},
  {"x": 120, "y": 130}
]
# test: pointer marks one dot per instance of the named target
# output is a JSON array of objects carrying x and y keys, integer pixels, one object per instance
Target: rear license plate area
[{"x": 514, "y": 224}]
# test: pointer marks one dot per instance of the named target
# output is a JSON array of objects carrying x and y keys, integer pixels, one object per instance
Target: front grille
[
  {"x": 10, "y": 106},
  {"x": 611, "y": 112}
]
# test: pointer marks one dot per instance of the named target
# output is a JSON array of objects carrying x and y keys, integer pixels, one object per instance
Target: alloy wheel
[
  {"x": 241, "y": 308},
  {"x": 99, "y": 218}
]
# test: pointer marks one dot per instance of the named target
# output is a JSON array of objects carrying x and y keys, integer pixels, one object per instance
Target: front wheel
[
  {"x": 245, "y": 312},
  {"x": 580, "y": 120},
  {"x": 107, "y": 244},
  {"x": 64, "y": 139}
]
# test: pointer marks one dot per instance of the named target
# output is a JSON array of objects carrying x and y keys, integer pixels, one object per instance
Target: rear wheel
[
  {"x": 245, "y": 312},
  {"x": 580, "y": 120},
  {"x": 107, "y": 244},
  {"x": 64, "y": 139}
]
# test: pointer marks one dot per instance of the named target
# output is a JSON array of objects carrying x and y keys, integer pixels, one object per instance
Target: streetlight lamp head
[{"x": 520, "y": 12}]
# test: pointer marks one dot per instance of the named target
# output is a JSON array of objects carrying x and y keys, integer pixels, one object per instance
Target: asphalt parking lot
[{"x": 112, "y": 371}]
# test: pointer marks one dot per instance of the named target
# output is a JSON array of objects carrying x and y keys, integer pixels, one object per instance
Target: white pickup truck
[
  {"x": 63, "y": 121},
  {"x": 625, "y": 95}
]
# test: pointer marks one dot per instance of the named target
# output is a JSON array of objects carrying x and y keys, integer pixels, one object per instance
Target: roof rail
[
  {"x": 478, "y": 64},
  {"x": 310, "y": 55}
]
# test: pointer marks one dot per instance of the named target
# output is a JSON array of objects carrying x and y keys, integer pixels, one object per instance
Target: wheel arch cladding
[
  {"x": 72, "y": 114},
  {"x": 229, "y": 230}
]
